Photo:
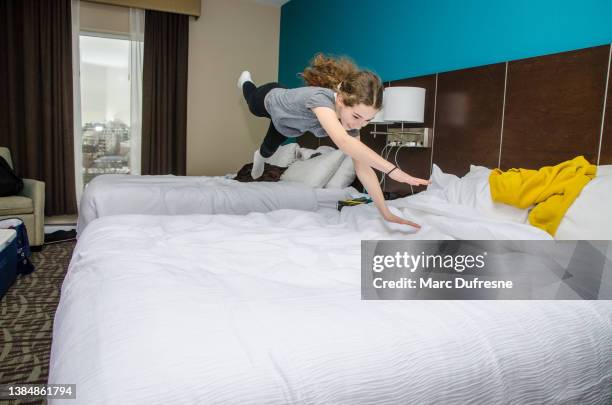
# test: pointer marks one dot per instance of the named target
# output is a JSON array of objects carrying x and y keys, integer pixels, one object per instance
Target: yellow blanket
[{"x": 552, "y": 188}]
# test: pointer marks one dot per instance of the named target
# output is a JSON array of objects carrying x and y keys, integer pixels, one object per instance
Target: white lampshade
[
  {"x": 378, "y": 118},
  {"x": 404, "y": 104}
]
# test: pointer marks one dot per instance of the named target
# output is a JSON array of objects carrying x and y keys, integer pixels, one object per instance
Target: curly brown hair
[{"x": 341, "y": 74}]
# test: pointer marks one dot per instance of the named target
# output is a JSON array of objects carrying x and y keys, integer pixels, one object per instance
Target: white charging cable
[
  {"x": 388, "y": 148},
  {"x": 382, "y": 177},
  {"x": 397, "y": 164}
]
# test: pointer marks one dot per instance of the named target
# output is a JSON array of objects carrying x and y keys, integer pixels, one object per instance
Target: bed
[
  {"x": 174, "y": 195},
  {"x": 266, "y": 308},
  {"x": 309, "y": 183}
]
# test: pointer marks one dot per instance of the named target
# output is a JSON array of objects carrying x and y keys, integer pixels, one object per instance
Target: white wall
[{"x": 230, "y": 36}]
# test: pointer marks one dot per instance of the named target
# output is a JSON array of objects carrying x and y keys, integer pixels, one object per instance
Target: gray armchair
[{"x": 29, "y": 205}]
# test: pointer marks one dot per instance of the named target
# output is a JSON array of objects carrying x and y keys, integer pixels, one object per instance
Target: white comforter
[
  {"x": 265, "y": 308},
  {"x": 182, "y": 195}
]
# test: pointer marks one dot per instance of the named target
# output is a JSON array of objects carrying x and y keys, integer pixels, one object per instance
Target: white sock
[
  {"x": 244, "y": 77},
  {"x": 258, "y": 165}
]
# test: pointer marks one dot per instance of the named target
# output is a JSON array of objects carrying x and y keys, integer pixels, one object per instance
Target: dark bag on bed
[
  {"x": 10, "y": 183},
  {"x": 271, "y": 173}
]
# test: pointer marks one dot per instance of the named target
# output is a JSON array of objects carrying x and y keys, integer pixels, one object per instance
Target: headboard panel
[
  {"x": 468, "y": 118},
  {"x": 605, "y": 157},
  {"x": 554, "y": 108}
]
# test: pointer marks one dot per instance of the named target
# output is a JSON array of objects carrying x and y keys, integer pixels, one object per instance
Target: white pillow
[
  {"x": 478, "y": 170},
  {"x": 344, "y": 176},
  {"x": 315, "y": 172},
  {"x": 325, "y": 149},
  {"x": 473, "y": 190},
  {"x": 284, "y": 155},
  {"x": 306, "y": 153},
  {"x": 589, "y": 216},
  {"x": 604, "y": 170},
  {"x": 439, "y": 179}
]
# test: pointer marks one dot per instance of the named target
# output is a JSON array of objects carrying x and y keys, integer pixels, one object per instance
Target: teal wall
[{"x": 405, "y": 38}]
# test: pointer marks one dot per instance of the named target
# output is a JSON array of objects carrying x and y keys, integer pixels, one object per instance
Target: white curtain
[
  {"x": 76, "y": 97},
  {"x": 137, "y": 21}
]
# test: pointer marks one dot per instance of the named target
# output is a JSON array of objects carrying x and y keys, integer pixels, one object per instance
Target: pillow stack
[
  {"x": 324, "y": 167},
  {"x": 473, "y": 190},
  {"x": 588, "y": 218}
]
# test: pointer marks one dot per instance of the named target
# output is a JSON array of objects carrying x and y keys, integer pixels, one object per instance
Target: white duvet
[
  {"x": 265, "y": 308},
  {"x": 182, "y": 195}
]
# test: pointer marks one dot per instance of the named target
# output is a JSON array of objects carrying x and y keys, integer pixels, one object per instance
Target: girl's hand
[
  {"x": 403, "y": 177},
  {"x": 399, "y": 220}
]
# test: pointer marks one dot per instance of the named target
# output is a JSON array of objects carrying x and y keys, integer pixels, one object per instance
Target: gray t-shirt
[{"x": 291, "y": 112}]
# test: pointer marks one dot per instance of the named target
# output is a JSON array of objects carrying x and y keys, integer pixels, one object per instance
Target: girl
[{"x": 338, "y": 102}]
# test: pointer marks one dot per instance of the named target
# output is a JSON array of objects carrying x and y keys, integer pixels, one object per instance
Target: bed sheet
[{"x": 266, "y": 308}]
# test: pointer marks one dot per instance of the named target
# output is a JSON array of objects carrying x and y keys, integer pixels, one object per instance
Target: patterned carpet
[{"x": 26, "y": 318}]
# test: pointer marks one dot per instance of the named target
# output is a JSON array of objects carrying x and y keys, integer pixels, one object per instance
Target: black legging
[{"x": 254, "y": 97}]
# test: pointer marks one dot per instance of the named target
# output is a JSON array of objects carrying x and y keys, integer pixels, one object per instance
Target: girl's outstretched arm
[
  {"x": 358, "y": 150},
  {"x": 369, "y": 180}
]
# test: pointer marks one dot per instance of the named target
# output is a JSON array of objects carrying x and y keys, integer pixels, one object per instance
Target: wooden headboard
[{"x": 523, "y": 113}]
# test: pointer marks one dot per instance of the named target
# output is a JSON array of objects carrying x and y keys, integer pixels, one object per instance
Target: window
[
  {"x": 107, "y": 54},
  {"x": 106, "y": 141}
]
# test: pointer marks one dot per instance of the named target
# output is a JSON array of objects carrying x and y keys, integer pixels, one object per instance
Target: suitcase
[
  {"x": 8, "y": 259},
  {"x": 24, "y": 265}
]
